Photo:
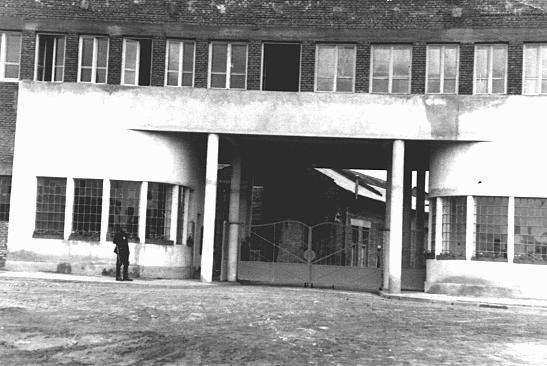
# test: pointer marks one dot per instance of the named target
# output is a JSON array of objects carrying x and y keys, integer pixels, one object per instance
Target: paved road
[{"x": 45, "y": 321}]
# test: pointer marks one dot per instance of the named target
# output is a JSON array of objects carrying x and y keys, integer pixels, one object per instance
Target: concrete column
[
  {"x": 233, "y": 217},
  {"x": 143, "y": 201},
  {"x": 511, "y": 230},
  {"x": 174, "y": 214},
  {"x": 69, "y": 207},
  {"x": 209, "y": 209},
  {"x": 420, "y": 211},
  {"x": 469, "y": 228},
  {"x": 396, "y": 216},
  {"x": 105, "y": 209},
  {"x": 386, "y": 227},
  {"x": 439, "y": 227}
]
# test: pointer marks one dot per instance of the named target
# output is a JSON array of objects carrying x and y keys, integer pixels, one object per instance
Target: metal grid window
[
  {"x": 124, "y": 208},
  {"x": 335, "y": 65},
  {"x": 228, "y": 65},
  {"x": 5, "y": 192},
  {"x": 179, "y": 63},
  {"x": 391, "y": 69},
  {"x": 86, "y": 214},
  {"x": 10, "y": 55},
  {"x": 93, "y": 60},
  {"x": 454, "y": 225},
  {"x": 490, "y": 69},
  {"x": 433, "y": 213},
  {"x": 531, "y": 230},
  {"x": 50, "y": 207},
  {"x": 442, "y": 69},
  {"x": 535, "y": 69},
  {"x": 50, "y": 57},
  {"x": 491, "y": 227},
  {"x": 158, "y": 213}
]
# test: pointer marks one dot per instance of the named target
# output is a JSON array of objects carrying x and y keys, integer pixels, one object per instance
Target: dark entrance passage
[{"x": 281, "y": 67}]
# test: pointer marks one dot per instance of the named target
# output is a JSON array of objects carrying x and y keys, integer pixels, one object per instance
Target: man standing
[{"x": 122, "y": 251}]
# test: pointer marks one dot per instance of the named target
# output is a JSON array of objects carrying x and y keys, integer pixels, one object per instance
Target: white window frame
[
  {"x": 228, "y": 63},
  {"x": 94, "y": 59},
  {"x": 137, "y": 63},
  {"x": 490, "y": 66},
  {"x": 542, "y": 48},
  {"x": 442, "y": 61},
  {"x": 181, "y": 60},
  {"x": 390, "y": 70},
  {"x": 53, "y": 63},
  {"x": 337, "y": 48},
  {"x": 3, "y": 54}
]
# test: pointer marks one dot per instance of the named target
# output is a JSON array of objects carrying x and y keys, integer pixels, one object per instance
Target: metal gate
[{"x": 323, "y": 255}]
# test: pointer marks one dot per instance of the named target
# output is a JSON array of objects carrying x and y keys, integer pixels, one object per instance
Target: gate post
[{"x": 310, "y": 257}]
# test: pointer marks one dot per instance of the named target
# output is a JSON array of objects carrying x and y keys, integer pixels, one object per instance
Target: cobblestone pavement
[{"x": 52, "y": 322}]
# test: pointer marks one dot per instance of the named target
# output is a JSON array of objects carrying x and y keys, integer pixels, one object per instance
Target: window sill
[
  {"x": 450, "y": 257},
  {"x": 85, "y": 237},
  {"x": 488, "y": 259},
  {"x": 159, "y": 241},
  {"x": 47, "y": 235},
  {"x": 530, "y": 261}
]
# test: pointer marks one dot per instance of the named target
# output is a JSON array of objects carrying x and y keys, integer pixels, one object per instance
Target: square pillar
[
  {"x": 69, "y": 207},
  {"x": 143, "y": 201},
  {"x": 396, "y": 216},
  {"x": 469, "y": 228},
  {"x": 386, "y": 230},
  {"x": 209, "y": 209},
  {"x": 105, "y": 209},
  {"x": 511, "y": 230},
  {"x": 233, "y": 217}
]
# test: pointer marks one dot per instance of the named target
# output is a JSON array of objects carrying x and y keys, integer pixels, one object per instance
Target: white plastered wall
[{"x": 65, "y": 135}]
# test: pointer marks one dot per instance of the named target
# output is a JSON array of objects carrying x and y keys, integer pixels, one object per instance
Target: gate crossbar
[{"x": 280, "y": 248}]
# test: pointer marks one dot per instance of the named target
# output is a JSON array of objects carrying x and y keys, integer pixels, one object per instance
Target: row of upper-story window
[{"x": 335, "y": 64}]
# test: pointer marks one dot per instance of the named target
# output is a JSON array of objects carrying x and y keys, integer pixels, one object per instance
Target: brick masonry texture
[
  {"x": 307, "y": 66},
  {"x": 418, "y": 69},
  {"x": 362, "y": 68},
  {"x": 466, "y": 68},
  {"x": 8, "y": 112},
  {"x": 158, "y": 61},
  {"x": 514, "y": 73}
]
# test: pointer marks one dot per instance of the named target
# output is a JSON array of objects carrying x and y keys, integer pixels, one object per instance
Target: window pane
[
  {"x": 530, "y": 61},
  {"x": 59, "y": 73},
  {"x": 325, "y": 84},
  {"x": 100, "y": 76},
  {"x": 87, "y": 52},
  {"x": 13, "y": 49},
  {"x": 482, "y": 86},
  {"x": 219, "y": 58},
  {"x": 380, "y": 85},
  {"x": 498, "y": 86},
  {"x": 172, "y": 78},
  {"x": 401, "y": 61},
  {"x": 544, "y": 86},
  {"x": 434, "y": 61},
  {"x": 124, "y": 208},
  {"x": 499, "y": 61},
  {"x": 12, "y": 71},
  {"x": 450, "y": 61},
  {"x": 530, "y": 86},
  {"x": 129, "y": 77},
  {"x": 60, "y": 53},
  {"x": 188, "y": 57},
  {"x": 239, "y": 58},
  {"x": 433, "y": 85},
  {"x": 325, "y": 62},
  {"x": 173, "y": 60},
  {"x": 346, "y": 62},
  {"x": 158, "y": 212},
  {"x": 218, "y": 80},
  {"x": 400, "y": 86},
  {"x": 344, "y": 85},
  {"x": 87, "y": 207},
  {"x": 102, "y": 52},
  {"x": 237, "y": 81},
  {"x": 187, "y": 79},
  {"x": 131, "y": 54},
  {"x": 481, "y": 63},
  {"x": 85, "y": 75},
  {"x": 380, "y": 61},
  {"x": 449, "y": 86}
]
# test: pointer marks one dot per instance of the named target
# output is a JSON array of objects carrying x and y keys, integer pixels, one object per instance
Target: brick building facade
[{"x": 446, "y": 78}]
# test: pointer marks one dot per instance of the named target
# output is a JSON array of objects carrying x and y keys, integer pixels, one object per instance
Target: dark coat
[{"x": 121, "y": 241}]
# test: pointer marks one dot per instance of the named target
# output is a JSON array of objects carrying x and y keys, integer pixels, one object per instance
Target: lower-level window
[
  {"x": 50, "y": 207},
  {"x": 453, "y": 234},
  {"x": 531, "y": 230},
  {"x": 158, "y": 213},
  {"x": 86, "y": 217},
  {"x": 491, "y": 227},
  {"x": 433, "y": 213},
  {"x": 124, "y": 208},
  {"x": 5, "y": 192}
]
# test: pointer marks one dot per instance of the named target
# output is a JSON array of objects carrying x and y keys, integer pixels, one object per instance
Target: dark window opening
[
  {"x": 5, "y": 192},
  {"x": 145, "y": 61},
  {"x": 137, "y": 62},
  {"x": 124, "y": 208},
  {"x": 281, "y": 67},
  {"x": 51, "y": 58}
]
